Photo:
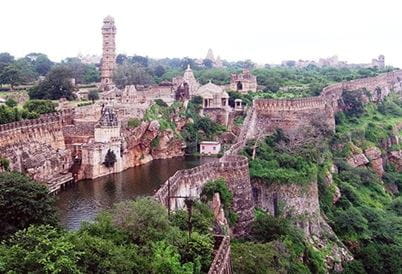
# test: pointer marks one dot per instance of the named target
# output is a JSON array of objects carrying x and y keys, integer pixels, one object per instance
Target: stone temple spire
[
  {"x": 210, "y": 55},
  {"x": 109, "y": 53}
]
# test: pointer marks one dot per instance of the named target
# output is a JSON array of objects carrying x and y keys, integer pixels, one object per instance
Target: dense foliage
[
  {"x": 57, "y": 84},
  {"x": 367, "y": 216},
  {"x": 23, "y": 202},
  {"x": 273, "y": 164},
  {"x": 275, "y": 244},
  {"x": 133, "y": 237},
  {"x": 40, "y": 106},
  {"x": 13, "y": 114}
]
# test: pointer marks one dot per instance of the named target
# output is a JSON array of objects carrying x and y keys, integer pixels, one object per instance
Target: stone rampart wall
[
  {"x": 46, "y": 129},
  {"x": 267, "y": 105},
  {"x": 296, "y": 117},
  {"x": 221, "y": 263},
  {"x": 189, "y": 183},
  {"x": 293, "y": 116},
  {"x": 378, "y": 86}
]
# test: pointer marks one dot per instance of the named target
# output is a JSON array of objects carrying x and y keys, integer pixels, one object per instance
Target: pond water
[{"x": 83, "y": 200}]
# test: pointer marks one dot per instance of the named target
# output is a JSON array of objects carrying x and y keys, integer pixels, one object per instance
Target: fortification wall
[
  {"x": 286, "y": 199},
  {"x": 294, "y": 116},
  {"x": 378, "y": 87},
  {"x": 234, "y": 169},
  {"x": 46, "y": 129}
]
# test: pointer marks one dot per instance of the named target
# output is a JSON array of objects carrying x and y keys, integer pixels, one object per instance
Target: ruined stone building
[
  {"x": 243, "y": 82},
  {"x": 109, "y": 53},
  {"x": 215, "y": 103},
  {"x": 186, "y": 85}
]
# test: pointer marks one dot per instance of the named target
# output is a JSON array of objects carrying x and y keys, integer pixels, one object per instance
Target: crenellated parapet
[
  {"x": 295, "y": 117},
  {"x": 378, "y": 86},
  {"x": 47, "y": 129},
  {"x": 307, "y": 103}
]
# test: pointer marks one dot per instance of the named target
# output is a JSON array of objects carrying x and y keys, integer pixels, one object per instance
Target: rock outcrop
[
  {"x": 373, "y": 154},
  {"x": 395, "y": 157},
  {"x": 357, "y": 160},
  {"x": 300, "y": 202}
]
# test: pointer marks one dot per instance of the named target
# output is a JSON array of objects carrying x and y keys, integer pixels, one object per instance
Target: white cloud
[{"x": 266, "y": 31}]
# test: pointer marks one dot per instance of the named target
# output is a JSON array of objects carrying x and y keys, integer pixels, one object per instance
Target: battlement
[
  {"x": 46, "y": 129},
  {"x": 289, "y": 104},
  {"x": 384, "y": 80},
  {"x": 44, "y": 120}
]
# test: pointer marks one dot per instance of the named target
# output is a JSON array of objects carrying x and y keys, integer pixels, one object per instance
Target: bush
[
  {"x": 143, "y": 220},
  {"x": 161, "y": 103},
  {"x": 218, "y": 186},
  {"x": 40, "y": 106},
  {"x": 133, "y": 122},
  {"x": 11, "y": 103},
  {"x": 93, "y": 95}
]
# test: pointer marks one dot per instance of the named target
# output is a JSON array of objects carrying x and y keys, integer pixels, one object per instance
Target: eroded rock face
[
  {"x": 168, "y": 146},
  {"x": 357, "y": 160},
  {"x": 373, "y": 154},
  {"x": 395, "y": 157},
  {"x": 329, "y": 182}
]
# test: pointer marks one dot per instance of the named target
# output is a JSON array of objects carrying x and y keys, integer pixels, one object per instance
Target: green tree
[
  {"x": 110, "y": 159},
  {"x": 166, "y": 259},
  {"x": 93, "y": 95},
  {"x": 56, "y": 85},
  {"x": 11, "y": 103},
  {"x": 6, "y": 58},
  {"x": 143, "y": 220},
  {"x": 23, "y": 202},
  {"x": 159, "y": 71},
  {"x": 91, "y": 74},
  {"x": 39, "y": 249},
  {"x": 40, "y": 62},
  {"x": 10, "y": 75},
  {"x": 40, "y": 106},
  {"x": 131, "y": 74}
]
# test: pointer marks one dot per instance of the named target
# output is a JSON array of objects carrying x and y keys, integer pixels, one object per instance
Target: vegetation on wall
[
  {"x": 273, "y": 164},
  {"x": 110, "y": 159}
]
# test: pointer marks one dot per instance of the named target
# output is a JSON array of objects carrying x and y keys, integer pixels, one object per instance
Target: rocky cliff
[{"x": 300, "y": 203}]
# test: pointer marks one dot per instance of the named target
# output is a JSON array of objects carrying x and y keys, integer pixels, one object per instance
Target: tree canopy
[{"x": 23, "y": 202}]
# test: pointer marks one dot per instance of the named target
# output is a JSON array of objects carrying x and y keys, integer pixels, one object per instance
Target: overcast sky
[{"x": 265, "y": 31}]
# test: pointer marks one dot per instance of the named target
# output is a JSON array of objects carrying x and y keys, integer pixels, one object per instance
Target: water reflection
[{"x": 83, "y": 200}]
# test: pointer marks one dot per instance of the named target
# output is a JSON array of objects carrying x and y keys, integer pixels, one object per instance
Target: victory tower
[{"x": 109, "y": 53}]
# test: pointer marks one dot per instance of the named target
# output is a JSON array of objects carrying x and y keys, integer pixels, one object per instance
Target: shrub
[
  {"x": 133, "y": 122},
  {"x": 161, "y": 103},
  {"x": 143, "y": 220},
  {"x": 40, "y": 106},
  {"x": 11, "y": 103}
]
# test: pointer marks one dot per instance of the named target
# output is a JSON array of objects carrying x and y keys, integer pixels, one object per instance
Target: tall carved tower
[{"x": 109, "y": 53}]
